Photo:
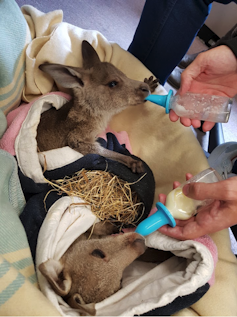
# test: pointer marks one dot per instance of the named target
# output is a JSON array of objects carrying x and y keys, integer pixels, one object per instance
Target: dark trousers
[{"x": 165, "y": 32}]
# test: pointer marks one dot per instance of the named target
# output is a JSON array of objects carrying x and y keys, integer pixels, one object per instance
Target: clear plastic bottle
[
  {"x": 178, "y": 206},
  {"x": 196, "y": 106}
]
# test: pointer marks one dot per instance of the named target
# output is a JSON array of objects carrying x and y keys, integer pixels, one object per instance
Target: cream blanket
[{"x": 168, "y": 148}]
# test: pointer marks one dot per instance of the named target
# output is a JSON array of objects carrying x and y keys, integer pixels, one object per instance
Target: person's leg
[{"x": 165, "y": 32}]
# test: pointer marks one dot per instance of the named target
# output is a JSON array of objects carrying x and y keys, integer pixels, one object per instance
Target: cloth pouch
[{"x": 164, "y": 288}]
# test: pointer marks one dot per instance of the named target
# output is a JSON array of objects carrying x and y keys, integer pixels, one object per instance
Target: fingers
[
  {"x": 162, "y": 198},
  {"x": 173, "y": 116},
  {"x": 185, "y": 84},
  {"x": 190, "y": 73},
  {"x": 207, "y": 126},
  {"x": 188, "y": 176},
  {"x": 176, "y": 184},
  {"x": 194, "y": 227},
  {"x": 196, "y": 123},
  {"x": 188, "y": 122},
  {"x": 187, "y": 232},
  {"x": 185, "y": 121},
  {"x": 223, "y": 190},
  {"x": 211, "y": 218}
]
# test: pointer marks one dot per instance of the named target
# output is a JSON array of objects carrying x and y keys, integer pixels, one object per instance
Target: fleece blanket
[
  {"x": 169, "y": 149},
  {"x": 19, "y": 293},
  {"x": 15, "y": 36}
]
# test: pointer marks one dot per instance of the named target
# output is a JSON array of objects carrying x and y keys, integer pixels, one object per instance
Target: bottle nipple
[
  {"x": 161, "y": 100},
  {"x": 160, "y": 218}
]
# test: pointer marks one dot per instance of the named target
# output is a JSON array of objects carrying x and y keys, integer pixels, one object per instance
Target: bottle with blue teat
[
  {"x": 195, "y": 106},
  {"x": 178, "y": 206}
]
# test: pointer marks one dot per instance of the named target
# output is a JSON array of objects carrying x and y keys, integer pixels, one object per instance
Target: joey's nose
[
  {"x": 144, "y": 88},
  {"x": 135, "y": 237},
  {"x": 137, "y": 242}
]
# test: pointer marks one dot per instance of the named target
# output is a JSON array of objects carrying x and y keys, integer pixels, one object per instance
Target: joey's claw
[
  {"x": 152, "y": 83},
  {"x": 136, "y": 166},
  {"x": 140, "y": 168}
]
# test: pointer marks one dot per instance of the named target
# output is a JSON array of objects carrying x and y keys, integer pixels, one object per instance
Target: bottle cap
[
  {"x": 154, "y": 222},
  {"x": 161, "y": 100}
]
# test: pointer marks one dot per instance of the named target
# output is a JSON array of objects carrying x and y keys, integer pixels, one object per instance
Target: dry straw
[{"x": 110, "y": 198}]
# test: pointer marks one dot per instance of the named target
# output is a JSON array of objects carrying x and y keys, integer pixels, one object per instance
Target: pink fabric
[
  {"x": 15, "y": 119},
  {"x": 14, "y": 122},
  {"x": 209, "y": 243},
  {"x": 122, "y": 137}
]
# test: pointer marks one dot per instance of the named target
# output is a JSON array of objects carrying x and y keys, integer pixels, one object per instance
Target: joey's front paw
[
  {"x": 152, "y": 83},
  {"x": 136, "y": 166},
  {"x": 104, "y": 228}
]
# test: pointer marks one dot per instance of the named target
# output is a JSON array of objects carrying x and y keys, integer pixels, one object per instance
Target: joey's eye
[
  {"x": 112, "y": 84},
  {"x": 98, "y": 253}
]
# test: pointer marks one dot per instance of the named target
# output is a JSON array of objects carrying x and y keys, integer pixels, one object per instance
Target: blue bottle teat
[
  {"x": 154, "y": 222},
  {"x": 161, "y": 100}
]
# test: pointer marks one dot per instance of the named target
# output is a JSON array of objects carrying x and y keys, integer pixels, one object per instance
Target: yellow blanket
[{"x": 168, "y": 148}]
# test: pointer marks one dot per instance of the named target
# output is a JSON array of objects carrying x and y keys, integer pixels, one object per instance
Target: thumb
[
  {"x": 185, "y": 84},
  {"x": 188, "y": 75},
  {"x": 223, "y": 190}
]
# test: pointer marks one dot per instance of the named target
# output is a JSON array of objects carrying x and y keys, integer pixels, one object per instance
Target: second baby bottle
[
  {"x": 182, "y": 207},
  {"x": 178, "y": 206}
]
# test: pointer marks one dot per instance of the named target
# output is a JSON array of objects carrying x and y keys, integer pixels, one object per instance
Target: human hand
[
  {"x": 212, "y": 72},
  {"x": 221, "y": 214}
]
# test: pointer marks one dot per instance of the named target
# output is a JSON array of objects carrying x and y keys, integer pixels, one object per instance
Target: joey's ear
[
  {"x": 89, "y": 55},
  {"x": 76, "y": 301},
  {"x": 66, "y": 76},
  {"x": 53, "y": 271}
]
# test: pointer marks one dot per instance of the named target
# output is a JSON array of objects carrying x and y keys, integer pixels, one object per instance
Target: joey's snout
[
  {"x": 137, "y": 242},
  {"x": 144, "y": 88}
]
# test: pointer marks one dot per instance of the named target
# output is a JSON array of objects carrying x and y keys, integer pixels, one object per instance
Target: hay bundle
[{"x": 110, "y": 198}]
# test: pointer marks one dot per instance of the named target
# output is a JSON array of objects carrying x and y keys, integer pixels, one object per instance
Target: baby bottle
[
  {"x": 195, "y": 106},
  {"x": 178, "y": 206}
]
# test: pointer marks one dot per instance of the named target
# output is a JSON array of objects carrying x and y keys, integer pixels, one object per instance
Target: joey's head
[
  {"x": 91, "y": 270},
  {"x": 99, "y": 86}
]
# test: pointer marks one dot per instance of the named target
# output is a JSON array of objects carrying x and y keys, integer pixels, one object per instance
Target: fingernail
[{"x": 186, "y": 189}]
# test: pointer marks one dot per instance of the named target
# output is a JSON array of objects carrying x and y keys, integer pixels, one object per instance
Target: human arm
[
  {"x": 221, "y": 214},
  {"x": 213, "y": 72}
]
